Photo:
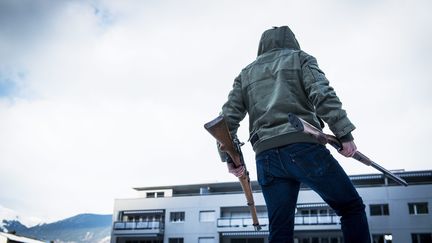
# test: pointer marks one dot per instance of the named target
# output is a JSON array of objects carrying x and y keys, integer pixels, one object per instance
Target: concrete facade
[{"x": 217, "y": 212}]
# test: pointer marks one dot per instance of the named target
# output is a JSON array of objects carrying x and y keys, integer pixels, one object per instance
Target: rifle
[
  {"x": 303, "y": 126},
  {"x": 219, "y": 130}
]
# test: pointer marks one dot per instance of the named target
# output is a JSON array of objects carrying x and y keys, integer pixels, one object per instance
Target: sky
[{"x": 98, "y": 97}]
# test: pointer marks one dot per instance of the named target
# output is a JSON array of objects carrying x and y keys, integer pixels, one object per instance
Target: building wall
[
  {"x": 3, "y": 239},
  {"x": 192, "y": 228},
  {"x": 399, "y": 222}
]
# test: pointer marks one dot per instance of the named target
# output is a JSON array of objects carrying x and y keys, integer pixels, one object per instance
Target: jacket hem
[{"x": 282, "y": 140}]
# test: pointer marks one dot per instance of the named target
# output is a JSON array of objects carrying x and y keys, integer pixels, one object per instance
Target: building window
[
  {"x": 421, "y": 238},
  {"x": 175, "y": 240},
  {"x": 142, "y": 216},
  {"x": 379, "y": 209},
  {"x": 383, "y": 238},
  {"x": 207, "y": 216},
  {"x": 418, "y": 208},
  {"x": 206, "y": 240},
  {"x": 177, "y": 216},
  {"x": 154, "y": 194}
]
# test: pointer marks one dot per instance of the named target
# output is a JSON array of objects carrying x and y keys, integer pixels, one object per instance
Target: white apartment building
[{"x": 217, "y": 213}]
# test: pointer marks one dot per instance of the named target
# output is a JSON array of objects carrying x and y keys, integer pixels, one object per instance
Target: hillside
[{"x": 82, "y": 228}]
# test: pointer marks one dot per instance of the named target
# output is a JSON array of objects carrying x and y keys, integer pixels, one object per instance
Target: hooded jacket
[{"x": 283, "y": 79}]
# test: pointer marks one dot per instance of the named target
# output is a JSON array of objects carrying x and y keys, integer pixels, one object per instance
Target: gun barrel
[
  {"x": 389, "y": 174},
  {"x": 247, "y": 189}
]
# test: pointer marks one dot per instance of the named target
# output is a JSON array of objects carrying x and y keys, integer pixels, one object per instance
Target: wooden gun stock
[
  {"x": 219, "y": 130},
  {"x": 303, "y": 126}
]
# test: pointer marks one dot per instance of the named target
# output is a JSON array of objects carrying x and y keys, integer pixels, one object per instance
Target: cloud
[{"x": 102, "y": 96}]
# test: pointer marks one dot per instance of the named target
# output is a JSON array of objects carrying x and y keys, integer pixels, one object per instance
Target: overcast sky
[{"x": 97, "y": 97}]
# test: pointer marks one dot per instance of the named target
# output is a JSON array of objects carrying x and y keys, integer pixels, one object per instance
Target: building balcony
[
  {"x": 302, "y": 222},
  {"x": 151, "y": 228},
  {"x": 317, "y": 222},
  {"x": 237, "y": 224},
  {"x": 316, "y": 219}
]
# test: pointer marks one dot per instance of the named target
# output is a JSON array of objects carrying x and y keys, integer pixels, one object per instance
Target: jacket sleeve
[
  {"x": 324, "y": 99},
  {"x": 234, "y": 111}
]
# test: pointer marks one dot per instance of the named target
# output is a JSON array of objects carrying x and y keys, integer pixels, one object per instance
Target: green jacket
[{"x": 281, "y": 80}]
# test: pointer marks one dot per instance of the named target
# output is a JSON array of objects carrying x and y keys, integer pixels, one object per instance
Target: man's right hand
[{"x": 237, "y": 171}]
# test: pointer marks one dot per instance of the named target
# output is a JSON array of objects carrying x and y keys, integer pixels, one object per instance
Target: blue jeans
[{"x": 280, "y": 172}]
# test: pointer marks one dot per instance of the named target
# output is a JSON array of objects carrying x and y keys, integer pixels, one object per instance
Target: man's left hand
[{"x": 348, "y": 149}]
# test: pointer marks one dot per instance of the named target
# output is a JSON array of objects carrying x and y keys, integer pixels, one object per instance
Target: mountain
[
  {"x": 12, "y": 225},
  {"x": 82, "y": 228},
  {"x": 11, "y": 215}
]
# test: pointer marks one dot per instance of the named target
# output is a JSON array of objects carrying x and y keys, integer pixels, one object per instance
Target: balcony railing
[
  {"x": 240, "y": 222},
  {"x": 316, "y": 219},
  {"x": 138, "y": 225},
  {"x": 298, "y": 220}
]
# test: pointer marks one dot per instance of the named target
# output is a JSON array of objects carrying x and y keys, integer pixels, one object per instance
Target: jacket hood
[{"x": 277, "y": 38}]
